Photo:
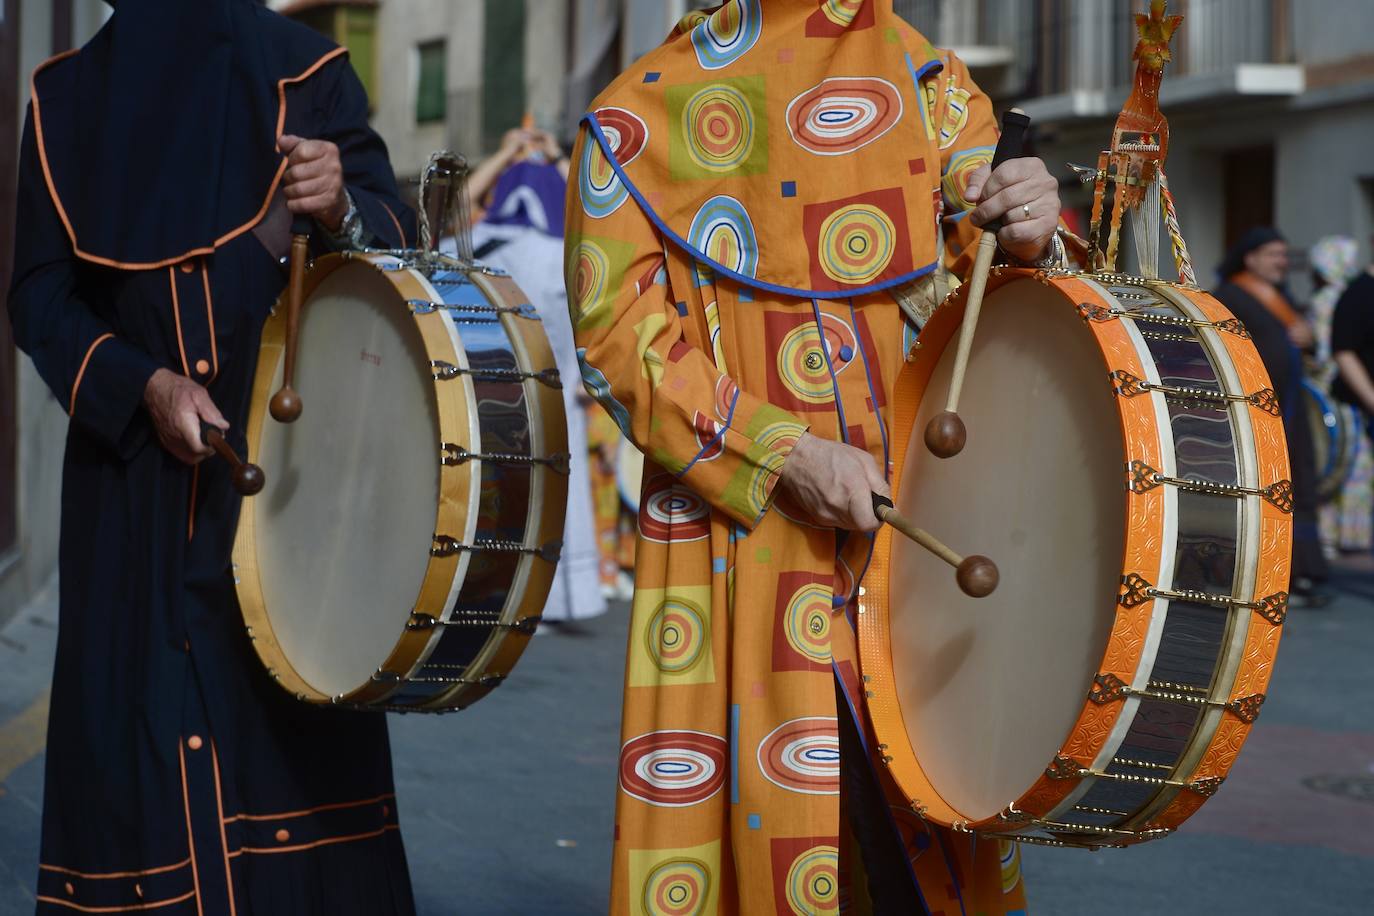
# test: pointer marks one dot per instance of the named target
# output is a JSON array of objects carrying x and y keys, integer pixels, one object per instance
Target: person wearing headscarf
[
  {"x": 521, "y": 232},
  {"x": 1347, "y": 521},
  {"x": 161, "y": 167},
  {"x": 1252, "y": 286},
  {"x": 751, "y": 198}
]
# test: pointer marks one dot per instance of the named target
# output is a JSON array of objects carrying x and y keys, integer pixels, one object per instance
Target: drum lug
[
  {"x": 451, "y": 454},
  {"x": 1246, "y": 709},
  {"x": 1064, "y": 768},
  {"x": 446, "y": 546},
  {"x": 1012, "y": 815},
  {"x": 1107, "y": 688},
  {"x": 1206, "y": 786}
]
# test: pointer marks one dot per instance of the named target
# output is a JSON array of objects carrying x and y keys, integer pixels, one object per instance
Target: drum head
[
  {"x": 990, "y": 688},
  {"x": 345, "y": 525}
]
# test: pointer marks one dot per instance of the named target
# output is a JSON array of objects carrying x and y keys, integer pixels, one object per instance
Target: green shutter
[
  {"x": 431, "y": 98},
  {"x": 503, "y": 69},
  {"x": 360, "y": 37}
]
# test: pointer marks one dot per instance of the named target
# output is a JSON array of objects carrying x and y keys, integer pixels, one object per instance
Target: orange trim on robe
[
  {"x": 190, "y": 839},
  {"x": 195, "y": 252},
  {"x": 80, "y": 373},
  {"x": 132, "y": 908}
]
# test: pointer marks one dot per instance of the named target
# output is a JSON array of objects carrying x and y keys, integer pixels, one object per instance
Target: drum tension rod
[
  {"x": 445, "y": 546},
  {"x": 420, "y": 621},
  {"x": 428, "y": 307},
  {"x": 1136, "y": 590},
  {"x": 1144, "y": 478},
  {"x": 391, "y": 677},
  {"x": 444, "y": 371},
  {"x": 1091, "y": 312},
  {"x": 1108, "y": 688},
  {"x": 451, "y": 454},
  {"x": 1066, "y": 768},
  {"x": 1127, "y": 385}
]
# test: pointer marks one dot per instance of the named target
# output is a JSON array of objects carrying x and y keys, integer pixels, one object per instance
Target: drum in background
[
  {"x": 1126, "y": 469},
  {"x": 629, "y": 474},
  {"x": 1336, "y": 431},
  {"x": 402, "y": 550}
]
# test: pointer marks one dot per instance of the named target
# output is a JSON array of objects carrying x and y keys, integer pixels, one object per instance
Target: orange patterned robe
[{"x": 747, "y": 198}]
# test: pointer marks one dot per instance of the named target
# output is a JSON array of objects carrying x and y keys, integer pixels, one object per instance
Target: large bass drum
[
  {"x": 1336, "y": 430},
  {"x": 1126, "y": 469},
  {"x": 404, "y": 545}
]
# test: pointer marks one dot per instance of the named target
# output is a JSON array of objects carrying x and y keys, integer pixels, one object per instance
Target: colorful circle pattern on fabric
[
  {"x": 678, "y": 887},
  {"x": 625, "y": 132},
  {"x": 669, "y": 513},
  {"x": 856, "y": 244},
  {"x": 591, "y": 268},
  {"x": 842, "y": 12},
  {"x": 673, "y": 769},
  {"x": 803, "y": 755},
  {"x": 813, "y": 882},
  {"x": 726, "y": 393},
  {"x": 723, "y": 232},
  {"x": 718, "y": 124},
  {"x": 600, "y": 187},
  {"x": 709, "y": 437},
  {"x": 843, "y": 114},
  {"x": 808, "y": 623},
  {"x": 802, "y": 366},
  {"x": 676, "y": 636},
  {"x": 728, "y": 34}
]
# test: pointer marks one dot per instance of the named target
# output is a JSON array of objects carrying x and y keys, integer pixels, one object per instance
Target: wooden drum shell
[{"x": 1061, "y": 806}]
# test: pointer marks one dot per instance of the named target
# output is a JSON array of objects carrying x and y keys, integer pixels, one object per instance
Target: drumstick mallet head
[
  {"x": 246, "y": 477},
  {"x": 946, "y": 434},
  {"x": 977, "y": 576},
  {"x": 286, "y": 405}
]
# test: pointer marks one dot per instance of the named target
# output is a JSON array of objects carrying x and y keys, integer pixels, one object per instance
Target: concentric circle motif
[
  {"x": 728, "y": 34},
  {"x": 842, "y": 114},
  {"x": 813, "y": 882},
  {"x": 842, "y": 12},
  {"x": 599, "y": 186},
  {"x": 591, "y": 268},
  {"x": 1010, "y": 855},
  {"x": 673, "y": 769},
  {"x": 956, "y": 116},
  {"x": 807, "y": 623},
  {"x": 803, "y": 755},
  {"x": 669, "y": 513},
  {"x": 802, "y": 367},
  {"x": 723, "y": 232},
  {"x": 678, "y": 887},
  {"x": 718, "y": 125},
  {"x": 676, "y": 636},
  {"x": 708, "y": 433},
  {"x": 856, "y": 244},
  {"x": 726, "y": 392}
]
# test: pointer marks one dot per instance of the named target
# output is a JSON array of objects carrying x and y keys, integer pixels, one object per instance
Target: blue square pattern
[
  {"x": 755, "y": 822},
  {"x": 682, "y": 309},
  {"x": 789, "y": 189},
  {"x": 652, "y": 76},
  {"x": 718, "y": 564}
]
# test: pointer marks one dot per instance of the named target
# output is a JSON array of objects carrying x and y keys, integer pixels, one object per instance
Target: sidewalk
[{"x": 508, "y": 807}]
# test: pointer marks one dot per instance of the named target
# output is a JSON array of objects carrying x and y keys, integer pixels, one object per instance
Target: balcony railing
[{"x": 1061, "y": 46}]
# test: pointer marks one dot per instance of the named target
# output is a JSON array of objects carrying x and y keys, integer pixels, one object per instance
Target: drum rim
[
  {"x": 455, "y": 418},
  {"x": 1246, "y": 654}
]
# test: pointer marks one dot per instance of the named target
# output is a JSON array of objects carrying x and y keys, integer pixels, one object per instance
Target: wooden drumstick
[
  {"x": 247, "y": 478},
  {"x": 977, "y": 575},
  {"x": 285, "y": 405},
  {"x": 946, "y": 434}
]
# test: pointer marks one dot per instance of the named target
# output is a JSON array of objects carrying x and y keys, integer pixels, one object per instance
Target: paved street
[{"x": 507, "y": 807}]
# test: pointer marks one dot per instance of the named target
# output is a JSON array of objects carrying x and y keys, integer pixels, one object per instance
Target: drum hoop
[
  {"x": 1246, "y": 654},
  {"x": 452, "y": 514}
]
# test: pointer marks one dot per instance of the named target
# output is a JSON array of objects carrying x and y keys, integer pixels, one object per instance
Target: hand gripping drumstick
[
  {"x": 945, "y": 434},
  {"x": 247, "y": 478},
  {"x": 285, "y": 405},
  {"x": 977, "y": 576}
]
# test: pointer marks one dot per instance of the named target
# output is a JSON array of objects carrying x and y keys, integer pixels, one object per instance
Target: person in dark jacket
[
  {"x": 1253, "y": 274},
  {"x": 161, "y": 167}
]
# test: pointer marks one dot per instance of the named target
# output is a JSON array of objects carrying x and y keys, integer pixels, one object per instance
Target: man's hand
[
  {"x": 177, "y": 406},
  {"x": 314, "y": 182},
  {"x": 1017, "y": 184},
  {"x": 833, "y": 483}
]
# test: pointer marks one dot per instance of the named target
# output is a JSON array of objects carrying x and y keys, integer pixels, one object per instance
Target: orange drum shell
[{"x": 1144, "y": 549}]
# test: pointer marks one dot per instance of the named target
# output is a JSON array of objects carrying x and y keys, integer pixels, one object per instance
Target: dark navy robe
[{"x": 180, "y": 778}]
